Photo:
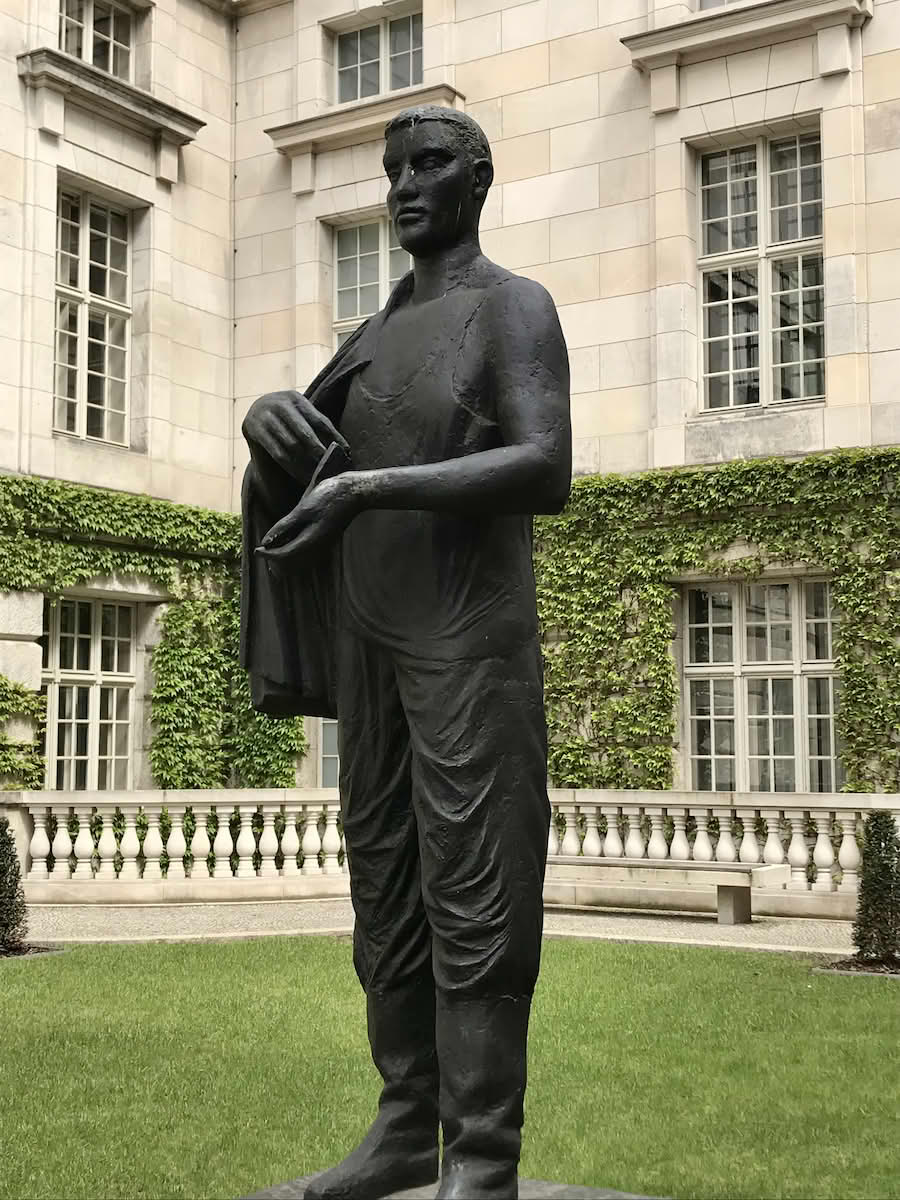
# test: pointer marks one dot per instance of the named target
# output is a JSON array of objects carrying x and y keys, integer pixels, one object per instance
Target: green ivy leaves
[
  {"x": 56, "y": 535},
  {"x": 606, "y": 570}
]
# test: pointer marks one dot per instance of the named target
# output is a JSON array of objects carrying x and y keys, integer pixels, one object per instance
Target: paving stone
[
  {"x": 100, "y": 922},
  {"x": 529, "y": 1189}
]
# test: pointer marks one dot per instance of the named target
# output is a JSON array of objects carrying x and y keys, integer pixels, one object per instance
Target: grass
[{"x": 214, "y": 1070}]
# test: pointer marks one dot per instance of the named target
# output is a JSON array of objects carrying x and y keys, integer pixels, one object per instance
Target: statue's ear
[{"x": 484, "y": 177}]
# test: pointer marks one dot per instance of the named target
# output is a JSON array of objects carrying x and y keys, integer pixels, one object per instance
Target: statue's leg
[
  {"x": 392, "y": 941},
  {"x": 479, "y": 779}
]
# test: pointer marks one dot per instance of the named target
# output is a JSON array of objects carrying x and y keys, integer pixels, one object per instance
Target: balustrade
[
  {"x": 817, "y": 838},
  {"x": 141, "y": 861},
  {"x": 765, "y": 834}
]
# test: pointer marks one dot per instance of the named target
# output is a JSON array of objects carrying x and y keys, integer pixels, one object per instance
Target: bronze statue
[{"x": 397, "y": 592}]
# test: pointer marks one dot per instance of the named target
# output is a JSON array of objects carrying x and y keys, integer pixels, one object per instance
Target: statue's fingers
[{"x": 286, "y": 549}]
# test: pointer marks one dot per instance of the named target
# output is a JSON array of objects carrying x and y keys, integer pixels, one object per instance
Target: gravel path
[{"x": 189, "y": 922}]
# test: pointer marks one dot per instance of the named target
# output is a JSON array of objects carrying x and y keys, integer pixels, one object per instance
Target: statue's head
[{"x": 439, "y": 165}]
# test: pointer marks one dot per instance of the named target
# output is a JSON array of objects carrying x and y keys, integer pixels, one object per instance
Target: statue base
[{"x": 529, "y": 1189}]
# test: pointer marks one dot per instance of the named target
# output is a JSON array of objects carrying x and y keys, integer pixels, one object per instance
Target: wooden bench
[{"x": 571, "y": 880}]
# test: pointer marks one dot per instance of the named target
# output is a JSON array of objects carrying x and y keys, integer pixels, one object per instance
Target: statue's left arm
[{"x": 527, "y": 366}]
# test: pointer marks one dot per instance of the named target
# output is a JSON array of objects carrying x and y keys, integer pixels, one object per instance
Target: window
[
  {"x": 329, "y": 763},
  {"x": 760, "y": 690},
  {"x": 92, "y": 318},
  {"x": 88, "y": 679},
  {"x": 762, "y": 276},
  {"x": 379, "y": 58},
  {"x": 98, "y": 31},
  {"x": 369, "y": 263}
]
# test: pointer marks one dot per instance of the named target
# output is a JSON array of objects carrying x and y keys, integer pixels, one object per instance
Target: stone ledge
[
  {"x": 57, "y": 78},
  {"x": 729, "y": 30},
  {"x": 187, "y": 891},
  {"x": 348, "y": 125}
]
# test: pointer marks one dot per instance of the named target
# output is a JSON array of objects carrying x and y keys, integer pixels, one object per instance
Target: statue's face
[{"x": 435, "y": 196}]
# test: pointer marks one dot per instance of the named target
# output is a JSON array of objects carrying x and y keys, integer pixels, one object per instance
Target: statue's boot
[
  {"x": 400, "y": 1149},
  {"x": 482, "y": 1052}
]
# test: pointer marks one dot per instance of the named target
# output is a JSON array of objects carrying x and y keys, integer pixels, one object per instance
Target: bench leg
[{"x": 733, "y": 904}]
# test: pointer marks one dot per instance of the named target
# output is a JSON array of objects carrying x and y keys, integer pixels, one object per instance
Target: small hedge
[
  {"x": 13, "y": 923},
  {"x": 876, "y": 932}
]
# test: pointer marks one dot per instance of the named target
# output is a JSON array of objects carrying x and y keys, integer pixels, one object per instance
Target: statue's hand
[
  {"x": 291, "y": 431},
  {"x": 319, "y": 518}
]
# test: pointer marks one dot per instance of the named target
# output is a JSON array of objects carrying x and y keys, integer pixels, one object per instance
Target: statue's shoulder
[{"x": 511, "y": 297}]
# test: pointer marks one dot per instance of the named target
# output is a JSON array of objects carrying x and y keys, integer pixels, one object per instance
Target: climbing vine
[
  {"x": 55, "y": 536},
  {"x": 606, "y": 571}
]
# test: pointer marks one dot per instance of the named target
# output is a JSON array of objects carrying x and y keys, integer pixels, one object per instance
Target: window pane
[
  {"x": 348, "y": 50},
  {"x": 369, "y": 83},
  {"x": 401, "y": 75},
  {"x": 348, "y": 85},
  {"x": 370, "y": 44}
]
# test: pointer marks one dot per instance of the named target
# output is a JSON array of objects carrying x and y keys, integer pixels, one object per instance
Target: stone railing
[
  {"x": 815, "y": 834},
  {"x": 298, "y": 850}
]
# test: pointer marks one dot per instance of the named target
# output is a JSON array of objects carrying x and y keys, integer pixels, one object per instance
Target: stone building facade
[{"x": 192, "y": 213}]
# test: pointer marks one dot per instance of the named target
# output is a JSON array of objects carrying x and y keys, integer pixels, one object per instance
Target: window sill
[
  {"x": 749, "y": 411},
  {"x": 348, "y": 125},
  {"x": 661, "y": 52},
  {"x": 58, "y": 78}
]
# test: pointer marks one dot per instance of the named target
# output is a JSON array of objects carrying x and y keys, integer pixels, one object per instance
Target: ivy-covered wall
[
  {"x": 56, "y": 535},
  {"x": 607, "y": 569}
]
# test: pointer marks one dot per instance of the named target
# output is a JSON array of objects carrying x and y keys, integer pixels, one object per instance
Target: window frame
[
  {"x": 94, "y": 678},
  {"x": 384, "y": 58},
  {"x": 741, "y": 669},
  {"x": 761, "y": 257},
  {"x": 88, "y": 33},
  {"x": 342, "y": 327},
  {"x": 84, "y": 301},
  {"x": 322, "y": 756}
]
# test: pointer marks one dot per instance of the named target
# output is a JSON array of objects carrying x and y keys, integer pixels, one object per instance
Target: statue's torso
[{"x": 438, "y": 585}]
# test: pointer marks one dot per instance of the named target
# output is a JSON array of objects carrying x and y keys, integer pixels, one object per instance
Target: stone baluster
[
  {"x": 106, "y": 847},
  {"x": 612, "y": 843},
  {"x": 62, "y": 845},
  {"x": 311, "y": 844},
  {"x": 773, "y": 851},
  {"x": 798, "y": 852},
  {"x": 592, "y": 846},
  {"x": 176, "y": 845},
  {"x": 39, "y": 847},
  {"x": 703, "y": 851},
  {"x": 823, "y": 854},
  {"x": 750, "y": 850},
  {"x": 130, "y": 846},
  {"x": 246, "y": 842},
  {"x": 848, "y": 853},
  {"x": 268, "y": 842},
  {"x": 726, "y": 851},
  {"x": 331, "y": 841},
  {"x": 290, "y": 842},
  {"x": 656, "y": 848},
  {"x": 571, "y": 843},
  {"x": 223, "y": 844},
  {"x": 153, "y": 843},
  {"x": 553, "y": 834},
  {"x": 200, "y": 846},
  {"x": 634, "y": 838},
  {"x": 680, "y": 850},
  {"x": 345, "y": 865},
  {"x": 84, "y": 843}
]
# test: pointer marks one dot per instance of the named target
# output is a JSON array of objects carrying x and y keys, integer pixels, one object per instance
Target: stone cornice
[
  {"x": 56, "y": 77},
  {"x": 740, "y": 27},
  {"x": 348, "y": 125}
]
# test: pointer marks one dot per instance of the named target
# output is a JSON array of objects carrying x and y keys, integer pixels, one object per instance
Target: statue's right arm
[{"x": 287, "y": 436}]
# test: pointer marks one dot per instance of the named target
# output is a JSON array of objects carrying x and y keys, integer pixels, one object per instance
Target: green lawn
[{"x": 213, "y": 1070}]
